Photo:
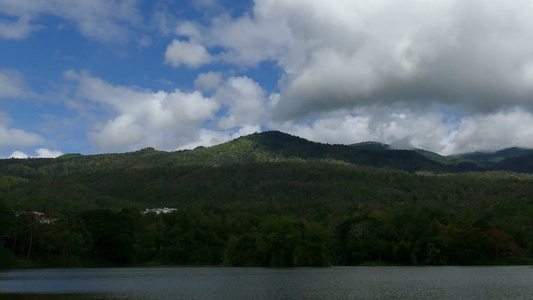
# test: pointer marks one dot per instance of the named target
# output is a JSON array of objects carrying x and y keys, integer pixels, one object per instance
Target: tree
[
  {"x": 62, "y": 242},
  {"x": 6, "y": 220},
  {"x": 112, "y": 235},
  {"x": 277, "y": 240},
  {"x": 313, "y": 248},
  {"x": 191, "y": 237},
  {"x": 242, "y": 251},
  {"x": 359, "y": 239}
]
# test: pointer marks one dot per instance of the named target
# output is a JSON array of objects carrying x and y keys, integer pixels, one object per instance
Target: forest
[{"x": 270, "y": 200}]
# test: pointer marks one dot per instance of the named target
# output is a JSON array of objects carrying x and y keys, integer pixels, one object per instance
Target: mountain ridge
[{"x": 276, "y": 146}]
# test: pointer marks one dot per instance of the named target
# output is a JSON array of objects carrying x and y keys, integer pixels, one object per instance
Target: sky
[{"x": 107, "y": 76}]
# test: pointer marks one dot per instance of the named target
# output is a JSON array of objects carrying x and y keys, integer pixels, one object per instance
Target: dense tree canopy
[{"x": 264, "y": 200}]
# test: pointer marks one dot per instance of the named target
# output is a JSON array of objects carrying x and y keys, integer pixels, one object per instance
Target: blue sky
[{"x": 100, "y": 76}]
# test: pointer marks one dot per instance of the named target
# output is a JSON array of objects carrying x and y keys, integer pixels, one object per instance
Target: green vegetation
[{"x": 267, "y": 199}]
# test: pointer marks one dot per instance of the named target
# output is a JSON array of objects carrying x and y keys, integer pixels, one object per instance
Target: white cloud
[
  {"x": 245, "y": 101},
  {"x": 43, "y": 152},
  {"x": 494, "y": 132},
  {"x": 13, "y": 137},
  {"x": 122, "y": 131},
  {"x": 177, "y": 120},
  {"x": 354, "y": 53},
  {"x": 185, "y": 53},
  {"x": 403, "y": 129},
  {"x": 208, "y": 81},
  {"x": 447, "y": 76},
  {"x": 143, "y": 118},
  {"x": 437, "y": 75},
  {"x": 12, "y": 84},
  {"x": 136, "y": 118},
  {"x": 416, "y": 52},
  {"x": 99, "y": 19},
  {"x": 18, "y": 154},
  {"x": 438, "y": 132},
  {"x": 18, "y": 137},
  {"x": 207, "y": 138},
  {"x": 245, "y": 41},
  {"x": 17, "y": 30},
  {"x": 346, "y": 130}
]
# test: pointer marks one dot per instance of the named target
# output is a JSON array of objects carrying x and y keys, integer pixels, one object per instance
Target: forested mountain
[
  {"x": 521, "y": 164},
  {"x": 496, "y": 156},
  {"x": 267, "y": 199},
  {"x": 272, "y": 146},
  {"x": 275, "y": 146}
]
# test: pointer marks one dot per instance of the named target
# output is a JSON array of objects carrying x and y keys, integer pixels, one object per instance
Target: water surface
[{"x": 260, "y": 283}]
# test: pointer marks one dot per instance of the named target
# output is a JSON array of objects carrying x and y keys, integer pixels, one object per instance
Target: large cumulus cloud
[
  {"x": 141, "y": 118},
  {"x": 446, "y": 75},
  {"x": 138, "y": 118},
  {"x": 375, "y": 60},
  {"x": 475, "y": 54}
]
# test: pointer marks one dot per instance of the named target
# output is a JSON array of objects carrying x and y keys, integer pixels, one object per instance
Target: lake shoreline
[{"x": 32, "y": 265}]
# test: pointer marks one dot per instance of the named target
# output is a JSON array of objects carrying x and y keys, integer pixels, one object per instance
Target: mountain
[
  {"x": 487, "y": 161},
  {"x": 511, "y": 159},
  {"x": 493, "y": 156},
  {"x": 371, "y": 146},
  {"x": 519, "y": 164},
  {"x": 344, "y": 204},
  {"x": 248, "y": 167},
  {"x": 275, "y": 146}
]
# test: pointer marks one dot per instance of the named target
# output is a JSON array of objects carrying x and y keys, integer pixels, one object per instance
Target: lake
[{"x": 514, "y": 282}]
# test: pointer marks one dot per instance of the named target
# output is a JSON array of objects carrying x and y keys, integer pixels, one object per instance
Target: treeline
[
  {"x": 312, "y": 190},
  {"x": 222, "y": 236},
  {"x": 267, "y": 213},
  {"x": 186, "y": 237}
]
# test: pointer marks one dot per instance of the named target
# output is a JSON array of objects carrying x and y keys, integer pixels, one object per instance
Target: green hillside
[
  {"x": 267, "y": 199},
  {"x": 275, "y": 146},
  {"x": 496, "y": 156},
  {"x": 521, "y": 164},
  {"x": 272, "y": 146},
  {"x": 371, "y": 146}
]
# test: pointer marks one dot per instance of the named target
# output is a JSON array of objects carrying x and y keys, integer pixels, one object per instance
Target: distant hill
[
  {"x": 520, "y": 164},
  {"x": 512, "y": 159},
  {"x": 275, "y": 146},
  {"x": 486, "y": 161},
  {"x": 493, "y": 156},
  {"x": 371, "y": 146}
]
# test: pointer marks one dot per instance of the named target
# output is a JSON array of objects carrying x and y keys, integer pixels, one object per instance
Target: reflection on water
[{"x": 259, "y": 283}]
